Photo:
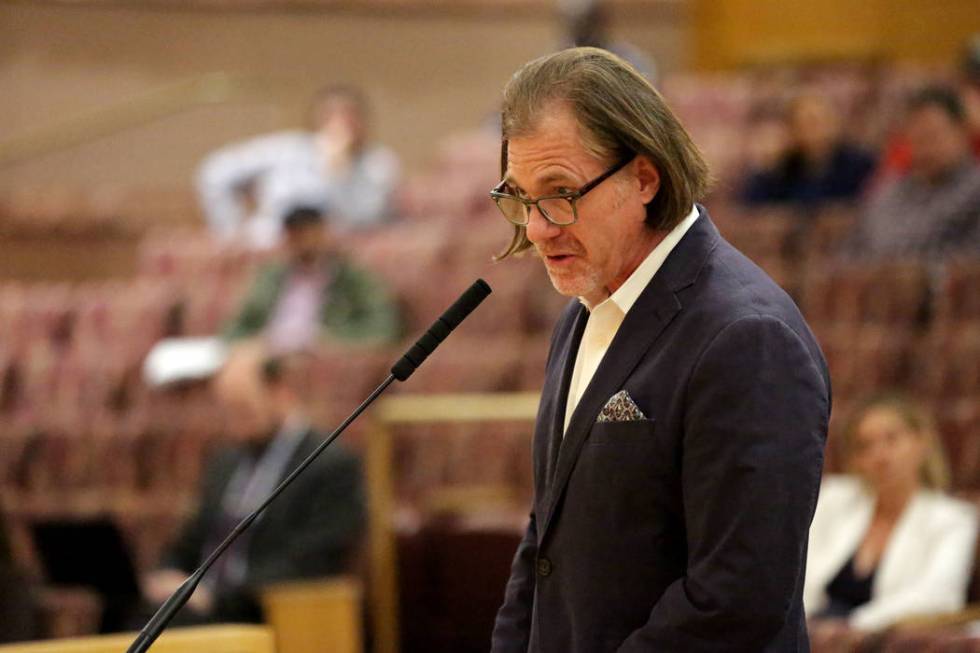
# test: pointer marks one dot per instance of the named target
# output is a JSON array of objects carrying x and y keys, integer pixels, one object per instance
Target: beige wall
[{"x": 429, "y": 73}]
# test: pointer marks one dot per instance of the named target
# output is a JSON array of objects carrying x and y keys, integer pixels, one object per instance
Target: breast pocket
[
  {"x": 631, "y": 433},
  {"x": 619, "y": 478}
]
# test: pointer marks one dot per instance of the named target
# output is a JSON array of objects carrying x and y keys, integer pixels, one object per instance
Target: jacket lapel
[
  {"x": 554, "y": 397},
  {"x": 642, "y": 326},
  {"x": 565, "y": 367}
]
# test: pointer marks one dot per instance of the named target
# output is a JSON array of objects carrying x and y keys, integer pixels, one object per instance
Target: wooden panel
[
  {"x": 213, "y": 639},
  {"x": 930, "y": 32},
  {"x": 407, "y": 409},
  {"x": 416, "y": 409},
  {"x": 315, "y": 616},
  {"x": 735, "y": 33},
  {"x": 77, "y": 257},
  {"x": 381, "y": 541}
]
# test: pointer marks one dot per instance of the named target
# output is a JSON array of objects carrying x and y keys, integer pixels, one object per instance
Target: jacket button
[{"x": 544, "y": 567}]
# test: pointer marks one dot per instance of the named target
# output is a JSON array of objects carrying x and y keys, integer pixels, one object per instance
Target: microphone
[
  {"x": 401, "y": 370},
  {"x": 440, "y": 329}
]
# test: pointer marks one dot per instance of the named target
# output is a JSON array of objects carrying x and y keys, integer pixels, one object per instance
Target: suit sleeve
[
  {"x": 361, "y": 309},
  {"x": 253, "y": 313},
  {"x": 327, "y": 516},
  {"x": 512, "y": 629},
  {"x": 755, "y": 424},
  {"x": 185, "y": 552},
  {"x": 223, "y": 173}
]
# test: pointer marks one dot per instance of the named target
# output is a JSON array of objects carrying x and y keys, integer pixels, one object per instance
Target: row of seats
[
  {"x": 188, "y": 287},
  {"x": 71, "y": 354}
]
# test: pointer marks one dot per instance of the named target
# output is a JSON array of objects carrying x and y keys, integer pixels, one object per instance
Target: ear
[{"x": 648, "y": 178}]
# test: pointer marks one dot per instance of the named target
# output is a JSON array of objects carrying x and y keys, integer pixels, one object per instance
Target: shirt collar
[{"x": 626, "y": 295}]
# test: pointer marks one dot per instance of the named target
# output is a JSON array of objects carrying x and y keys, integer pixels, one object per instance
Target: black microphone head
[
  {"x": 441, "y": 328},
  {"x": 466, "y": 303}
]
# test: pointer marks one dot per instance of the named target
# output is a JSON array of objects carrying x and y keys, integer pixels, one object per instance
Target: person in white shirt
[
  {"x": 333, "y": 168},
  {"x": 886, "y": 542}
]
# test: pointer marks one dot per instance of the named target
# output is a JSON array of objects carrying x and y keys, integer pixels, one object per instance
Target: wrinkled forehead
[
  {"x": 554, "y": 130},
  {"x": 550, "y": 152}
]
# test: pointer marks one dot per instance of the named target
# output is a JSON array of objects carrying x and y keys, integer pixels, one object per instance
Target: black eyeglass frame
[{"x": 496, "y": 194}]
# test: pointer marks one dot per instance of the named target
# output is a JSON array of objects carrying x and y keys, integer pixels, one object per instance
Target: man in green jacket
[{"x": 314, "y": 293}]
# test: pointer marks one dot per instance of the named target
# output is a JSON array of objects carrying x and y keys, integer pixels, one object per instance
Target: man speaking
[{"x": 679, "y": 440}]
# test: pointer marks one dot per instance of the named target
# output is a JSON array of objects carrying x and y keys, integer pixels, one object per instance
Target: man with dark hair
[
  {"x": 332, "y": 168},
  {"x": 587, "y": 23},
  {"x": 309, "y": 531},
  {"x": 896, "y": 159},
  {"x": 314, "y": 293},
  {"x": 679, "y": 440},
  {"x": 933, "y": 211}
]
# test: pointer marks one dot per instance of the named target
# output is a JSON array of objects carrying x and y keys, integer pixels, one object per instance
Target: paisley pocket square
[{"x": 620, "y": 408}]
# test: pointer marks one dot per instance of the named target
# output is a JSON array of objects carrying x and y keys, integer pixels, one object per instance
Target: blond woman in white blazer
[{"x": 886, "y": 543}]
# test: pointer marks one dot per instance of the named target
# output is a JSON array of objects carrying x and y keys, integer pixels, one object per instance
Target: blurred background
[{"x": 149, "y": 158}]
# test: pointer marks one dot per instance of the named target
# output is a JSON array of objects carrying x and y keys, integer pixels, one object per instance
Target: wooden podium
[
  {"x": 320, "y": 616},
  {"x": 213, "y": 639}
]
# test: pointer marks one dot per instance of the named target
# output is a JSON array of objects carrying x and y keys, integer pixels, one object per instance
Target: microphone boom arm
[{"x": 404, "y": 368}]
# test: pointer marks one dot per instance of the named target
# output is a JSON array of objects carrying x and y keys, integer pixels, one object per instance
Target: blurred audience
[
  {"x": 314, "y": 292},
  {"x": 897, "y": 159},
  {"x": 246, "y": 189},
  {"x": 934, "y": 210},
  {"x": 817, "y": 166},
  {"x": 311, "y": 530},
  {"x": 586, "y": 23},
  {"x": 886, "y": 542}
]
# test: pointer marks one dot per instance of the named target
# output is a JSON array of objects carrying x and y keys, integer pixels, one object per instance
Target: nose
[
  {"x": 880, "y": 455},
  {"x": 539, "y": 229}
]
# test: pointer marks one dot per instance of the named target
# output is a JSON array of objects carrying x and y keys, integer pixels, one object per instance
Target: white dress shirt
[{"x": 606, "y": 317}]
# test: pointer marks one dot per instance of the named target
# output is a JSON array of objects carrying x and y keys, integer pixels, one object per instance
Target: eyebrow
[{"x": 547, "y": 179}]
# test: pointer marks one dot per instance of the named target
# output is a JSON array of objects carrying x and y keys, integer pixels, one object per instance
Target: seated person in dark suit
[
  {"x": 886, "y": 541},
  {"x": 313, "y": 293},
  {"x": 818, "y": 166},
  {"x": 309, "y": 531}
]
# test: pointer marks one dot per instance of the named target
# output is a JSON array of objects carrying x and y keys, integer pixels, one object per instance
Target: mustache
[{"x": 560, "y": 249}]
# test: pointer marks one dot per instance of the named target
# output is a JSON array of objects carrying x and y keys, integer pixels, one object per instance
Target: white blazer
[{"x": 925, "y": 567}]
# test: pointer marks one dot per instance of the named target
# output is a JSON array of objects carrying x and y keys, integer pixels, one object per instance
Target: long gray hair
[{"x": 619, "y": 113}]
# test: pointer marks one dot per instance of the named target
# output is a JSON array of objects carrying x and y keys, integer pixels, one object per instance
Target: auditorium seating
[{"x": 83, "y": 436}]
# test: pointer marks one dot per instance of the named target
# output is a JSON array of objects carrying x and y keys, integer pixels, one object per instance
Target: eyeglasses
[{"x": 558, "y": 209}]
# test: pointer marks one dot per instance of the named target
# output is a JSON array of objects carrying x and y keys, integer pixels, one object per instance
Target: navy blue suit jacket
[{"x": 686, "y": 531}]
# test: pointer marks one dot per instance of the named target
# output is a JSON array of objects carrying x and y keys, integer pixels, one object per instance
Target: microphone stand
[{"x": 401, "y": 370}]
